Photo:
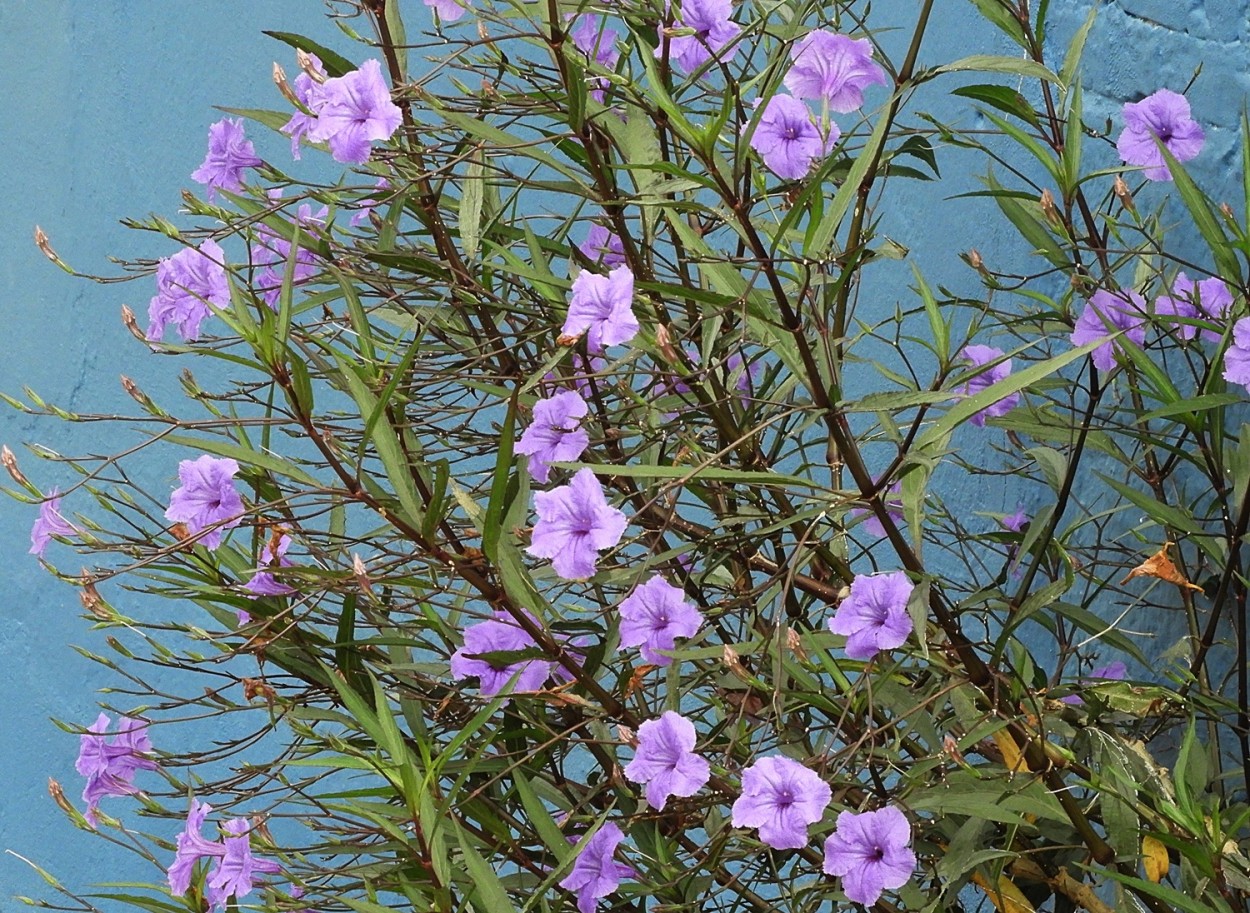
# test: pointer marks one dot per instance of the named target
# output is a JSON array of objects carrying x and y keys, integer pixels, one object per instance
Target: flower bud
[
  {"x": 664, "y": 340},
  {"x": 279, "y": 80},
  {"x": 1049, "y": 210},
  {"x": 626, "y": 735},
  {"x": 1123, "y": 194},
  {"x": 58, "y": 796},
  {"x": 729, "y": 656},
  {"x": 795, "y": 644},
  {"x": 10, "y": 463},
  {"x": 90, "y": 598},
  {"x": 258, "y": 687},
  {"x": 128, "y": 318},
  {"x": 305, "y": 61},
  {"x": 361, "y": 575}
]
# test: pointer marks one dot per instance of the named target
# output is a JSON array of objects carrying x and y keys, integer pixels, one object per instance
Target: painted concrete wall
[{"x": 107, "y": 103}]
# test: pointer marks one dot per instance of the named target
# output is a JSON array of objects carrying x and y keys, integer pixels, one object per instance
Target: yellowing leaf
[
  {"x": 1154, "y": 858},
  {"x": 1003, "y": 894},
  {"x": 1161, "y": 566},
  {"x": 1012, "y": 756}
]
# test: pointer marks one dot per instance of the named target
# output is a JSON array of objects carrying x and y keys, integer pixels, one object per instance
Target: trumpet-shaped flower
[
  {"x": 272, "y": 252},
  {"x": 978, "y": 357},
  {"x": 1207, "y": 299},
  {"x": 206, "y": 498},
  {"x": 1237, "y": 358},
  {"x": 49, "y": 523},
  {"x": 666, "y": 761},
  {"x": 602, "y": 308},
  {"x": 233, "y": 863},
  {"x": 654, "y": 616},
  {"x": 229, "y": 153},
  {"x": 603, "y": 246},
  {"x": 598, "y": 43},
  {"x": 1124, "y": 310},
  {"x": 575, "y": 523},
  {"x": 870, "y": 851},
  {"x": 788, "y": 140},
  {"x": 186, "y": 284},
  {"x": 596, "y": 873},
  {"x": 263, "y": 582},
  {"x": 1163, "y": 116},
  {"x": 713, "y": 31},
  {"x": 834, "y": 68},
  {"x": 308, "y": 92},
  {"x": 110, "y": 764},
  {"x": 500, "y": 635},
  {"x": 781, "y": 797},
  {"x": 554, "y": 435},
  {"x": 874, "y": 617},
  {"x": 353, "y": 110}
]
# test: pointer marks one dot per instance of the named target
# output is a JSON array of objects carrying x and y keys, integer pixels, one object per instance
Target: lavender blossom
[
  {"x": 110, "y": 764},
  {"x": 601, "y": 307},
  {"x": 353, "y": 111},
  {"x": 1124, "y": 310},
  {"x": 871, "y": 853},
  {"x": 874, "y": 617},
  {"x": 500, "y": 634},
  {"x": 1163, "y": 116},
  {"x": 598, "y": 43},
  {"x": 233, "y": 866},
  {"x": 788, "y": 140},
  {"x": 207, "y": 498},
  {"x": 713, "y": 32},
  {"x": 229, "y": 152},
  {"x": 833, "y": 68},
  {"x": 666, "y": 761},
  {"x": 263, "y": 582},
  {"x": 272, "y": 252},
  {"x": 448, "y": 10},
  {"x": 595, "y": 872},
  {"x": 1209, "y": 299},
  {"x": 653, "y": 616},
  {"x": 365, "y": 211},
  {"x": 575, "y": 522},
  {"x": 1237, "y": 358},
  {"x": 554, "y": 435},
  {"x": 781, "y": 797},
  {"x": 893, "y": 507},
  {"x": 186, "y": 284},
  {"x": 49, "y": 523},
  {"x": 603, "y": 246},
  {"x": 308, "y": 91},
  {"x": 1114, "y": 671},
  {"x": 979, "y": 357}
]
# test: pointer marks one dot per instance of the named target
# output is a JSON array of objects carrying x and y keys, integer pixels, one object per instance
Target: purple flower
[
  {"x": 654, "y": 616},
  {"x": 207, "y": 498},
  {"x": 744, "y": 376},
  {"x": 834, "y": 68},
  {"x": 448, "y": 10},
  {"x": 600, "y": 307},
  {"x": 272, "y": 251},
  {"x": 1165, "y": 116},
  {"x": 308, "y": 91},
  {"x": 870, "y": 852},
  {"x": 603, "y": 246},
  {"x": 666, "y": 761},
  {"x": 1237, "y": 358},
  {"x": 979, "y": 357},
  {"x": 788, "y": 140},
  {"x": 713, "y": 30},
  {"x": 364, "y": 212},
  {"x": 354, "y": 110},
  {"x": 1113, "y": 671},
  {"x": 599, "y": 45},
  {"x": 575, "y": 522},
  {"x": 874, "y": 617},
  {"x": 781, "y": 797},
  {"x": 500, "y": 634},
  {"x": 49, "y": 523},
  {"x": 1209, "y": 299},
  {"x": 110, "y": 765},
  {"x": 233, "y": 866},
  {"x": 595, "y": 872},
  {"x": 893, "y": 508},
  {"x": 186, "y": 284},
  {"x": 554, "y": 435},
  {"x": 1124, "y": 310},
  {"x": 1015, "y": 522},
  {"x": 263, "y": 583},
  {"x": 228, "y": 154}
]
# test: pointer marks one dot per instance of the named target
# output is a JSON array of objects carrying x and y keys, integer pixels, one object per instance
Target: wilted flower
[
  {"x": 229, "y": 152},
  {"x": 788, "y": 140},
  {"x": 781, "y": 797},
  {"x": 186, "y": 284},
  {"x": 978, "y": 357},
  {"x": 602, "y": 308},
  {"x": 554, "y": 435},
  {"x": 653, "y": 616},
  {"x": 575, "y": 523},
  {"x": 1124, "y": 310},
  {"x": 1163, "y": 116},
  {"x": 110, "y": 764},
  {"x": 666, "y": 761},
  {"x": 874, "y": 617},
  {"x": 834, "y": 68},
  {"x": 49, "y": 523},
  {"x": 206, "y": 498},
  {"x": 353, "y": 110},
  {"x": 595, "y": 872},
  {"x": 713, "y": 30},
  {"x": 870, "y": 852}
]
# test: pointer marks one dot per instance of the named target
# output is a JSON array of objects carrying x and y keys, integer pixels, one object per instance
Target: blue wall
[{"x": 107, "y": 104}]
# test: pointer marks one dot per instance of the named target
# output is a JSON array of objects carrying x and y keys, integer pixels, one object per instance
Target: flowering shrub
[{"x": 571, "y": 533}]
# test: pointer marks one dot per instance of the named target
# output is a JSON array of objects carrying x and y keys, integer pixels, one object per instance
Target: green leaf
[
  {"x": 1072, "y": 60},
  {"x": 939, "y": 328},
  {"x": 1028, "y": 221},
  {"x": 992, "y": 63},
  {"x": 1000, "y": 16},
  {"x": 335, "y": 64},
  {"x": 485, "y": 890},
  {"x": 1205, "y": 220},
  {"x": 1004, "y": 98},
  {"x": 245, "y": 456},
  {"x": 470, "y": 215},
  {"x": 819, "y": 237}
]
